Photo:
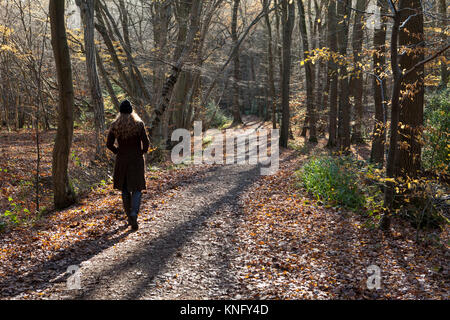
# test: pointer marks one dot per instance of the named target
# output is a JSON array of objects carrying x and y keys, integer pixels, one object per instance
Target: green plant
[
  {"x": 75, "y": 159},
  {"x": 217, "y": 117},
  {"x": 333, "y": 180},
  {"x": 436, "y": 150},
  {"x": 13, "y": 214}
]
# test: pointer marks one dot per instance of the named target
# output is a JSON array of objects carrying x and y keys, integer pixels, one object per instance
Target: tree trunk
[
  {"x": 444, "y": 69},
  {"x": 288, "y": 16},
  {"x": 278, "y": 57},
  {"x": 160, "y": 21},
  {"x": 270, "y": 70},
  {"x": 108, "y": 84},
  {"x": 63, "y": 193},
  {"x": 395, "y": 111},
  {"x": 343, "y": 14},
  {"x": 176, "y": 69},
  {"x": 357, "y": 83},
  {"x": 236, "y": 77},
  {"x": 379, "y": 88},
  {"x": 183, "y": 85},
  {"x": 87, "y": 16},
  {"x": 310, "y": 121},
  {"x": 408, "y": 161},
  {"x": 333, "y": 75}
]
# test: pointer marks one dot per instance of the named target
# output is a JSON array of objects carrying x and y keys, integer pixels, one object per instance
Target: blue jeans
[{"x": 131, "y": 201}]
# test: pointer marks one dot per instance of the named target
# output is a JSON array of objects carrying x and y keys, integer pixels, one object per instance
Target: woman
[{"x": 129, "y": 168}]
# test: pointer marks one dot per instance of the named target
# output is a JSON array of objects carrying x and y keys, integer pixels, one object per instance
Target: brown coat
[{"x": 129, "y": 166}]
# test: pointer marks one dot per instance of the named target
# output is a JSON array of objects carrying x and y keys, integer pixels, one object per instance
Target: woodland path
[
  {"x": 220, "y": 232},
  {"x": 187, "y": 250}
]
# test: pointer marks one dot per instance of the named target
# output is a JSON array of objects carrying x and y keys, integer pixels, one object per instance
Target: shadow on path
[{"x": 159, "y": 251}]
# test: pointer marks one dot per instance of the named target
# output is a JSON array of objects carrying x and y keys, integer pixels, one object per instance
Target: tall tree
[
  {"x": 343, "y": 14},
  {"x": 63, "y": 193},
  {"x": 288, "y": 17},
  {"x": 357, "y": 77},
  {"x": 310, "y": 120},
  {"x": 333, "y": 75},
  {"x": 270, "y": 69},
  {"x": 395, "y": 111},
  {"x": 236, "y": 65},
  {"x": 132, "y": 81},
  {"x": 402, "y": 90},
  {"x": 444, "y": 69},
  {"x": 411, "y": 40},
  {"x": 87, "y": 16},
  {"x": 379, "y": 88},
  {"x": 170, "y": 82}
]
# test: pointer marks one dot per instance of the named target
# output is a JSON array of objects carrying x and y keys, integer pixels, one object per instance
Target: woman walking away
[{"x": 129, "y": 167}]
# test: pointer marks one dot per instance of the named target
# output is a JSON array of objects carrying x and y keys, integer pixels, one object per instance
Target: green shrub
[
  {"x": 217, "y": 117},
  {"x": 334, "y": 180},
  {"x": 436, "y": 150}
]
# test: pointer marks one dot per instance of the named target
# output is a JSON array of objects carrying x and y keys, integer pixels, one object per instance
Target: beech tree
[
  {"x": 310, "y": 120},
  {"x": 236, "y": 72},
  {"x": 410, "y": 62},
  {"x": 87, "y": 16},
  {"x": 380, "y": 90},
  {"x": 343, "y": 15},
  {"x": 288, "y": 16},
  {"x": 64, "y": 194},
  {"x": 332, "y": 75}
]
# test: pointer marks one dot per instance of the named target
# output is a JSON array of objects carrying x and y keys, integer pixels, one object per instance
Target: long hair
[{"x": 126, "y": 125}]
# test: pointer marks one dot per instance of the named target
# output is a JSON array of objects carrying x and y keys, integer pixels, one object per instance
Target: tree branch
[{"x": 434, "y": 56}]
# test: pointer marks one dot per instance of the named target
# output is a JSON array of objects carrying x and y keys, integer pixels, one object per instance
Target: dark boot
[
  {"x": 134, "y": 223},
  {"x": 126, "y": 198},
  {"x": 135, "y": 205}
]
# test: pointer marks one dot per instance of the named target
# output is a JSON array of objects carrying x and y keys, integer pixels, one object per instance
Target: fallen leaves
[
  {"x": 44, "y": 249},
  {"x": 297, "y": 249}
]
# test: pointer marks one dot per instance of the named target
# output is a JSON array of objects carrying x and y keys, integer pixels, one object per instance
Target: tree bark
[
  {"x": 270, "y": 70},
  {"x": 108, "y": 84},
  {"x": 310, "y": 120},
  {"x": 343, "y": 13},
  {"x": 395, "y": 112},
  {"x": 288, "y": 16},
  {"x": 333, "y": 75},
  {"x": 379, "y": 88},
  {"x": 87, "y": 16},
  {"x": 236, "y": 66},
  {"x": 411, "y": 35},
  {"x": 357, "y": 78},
  {"x": 444, "y": 69},
  {"x": 176, "y": 69},
  {"x": 63, "y": 193}
]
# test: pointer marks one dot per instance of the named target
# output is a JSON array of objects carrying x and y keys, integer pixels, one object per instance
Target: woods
[{"x": 358, "y": 90}]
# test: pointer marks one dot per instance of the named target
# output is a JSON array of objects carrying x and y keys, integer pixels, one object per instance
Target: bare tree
[
  {"x": 343, "y": 14},
  {"x": 270, "y": 69},
  {"x": 288, "y": 17},
  {"x": 357, "y": 78},
  {"x": 236, "y": 75},
  {"x": 87, "y": 16},
  {"x": 332, "y": 75},
  {"x": 379, "y": 88},
  {"x": 310, "y": 120},
  {"x": 63, "y": 195}
]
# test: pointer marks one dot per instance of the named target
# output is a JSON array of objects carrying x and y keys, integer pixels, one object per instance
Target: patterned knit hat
[{"x": 125, "y": 107}]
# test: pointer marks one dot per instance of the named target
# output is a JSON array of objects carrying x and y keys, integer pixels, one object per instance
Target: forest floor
[{"x": 209, "y": 232}]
